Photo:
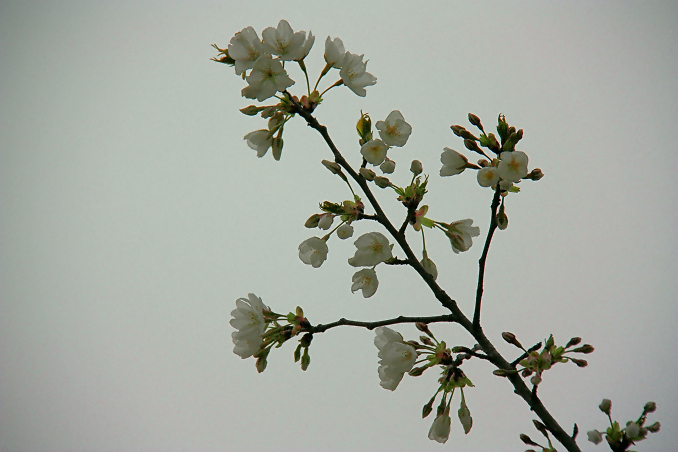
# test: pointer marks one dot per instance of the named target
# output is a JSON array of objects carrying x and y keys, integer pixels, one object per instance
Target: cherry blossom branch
[
  {"x": 320, "y": 328},
  {"x": 483, "y": 257},
  {"x": 520, "y": 388}
]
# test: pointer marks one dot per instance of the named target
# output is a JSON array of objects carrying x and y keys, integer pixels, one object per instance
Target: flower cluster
[
  {"x": 398, "y": 357},
  {"x": 537, "y": 362},
  {"x": 258, "y": 329},
  {"x": 261, "y": 63},
  {"x": 622, "y": 438}
]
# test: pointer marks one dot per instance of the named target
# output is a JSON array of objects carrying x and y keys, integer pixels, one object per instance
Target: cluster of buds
[
  {"x": 620, "y": 439},
  {"x": 537, "y": 362},
  {"x": 436, "y": 353}
]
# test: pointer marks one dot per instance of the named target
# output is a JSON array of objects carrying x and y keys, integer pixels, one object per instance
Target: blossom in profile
[
  {"x": 595, "y": 437},
  {"x": 440, "y": 430},
  {"x": 334, "y": 52},
  {"x": 260, "y": 141},
  {"x": 313, "y": 251},
  {"x": 245, "y": 48},
  {"x": 267, "y": 78},
  {"x": 354, "y": 74},
  {"x": 394, "y": 131},
  {"x": 374, "y": 151},
  {"x": 248, "y": 320},
  {"x": 396, "y": 357},
  {"x": 373, "y": 248},
  {"x": 453, "y": 162},
  {"x": 365, "y": 279},
  {"x": 512, "y": 166},
  {"x": 460, "y": 233}
]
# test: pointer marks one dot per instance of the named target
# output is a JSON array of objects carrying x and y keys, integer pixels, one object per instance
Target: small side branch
[{"x": 372, "y": 325}]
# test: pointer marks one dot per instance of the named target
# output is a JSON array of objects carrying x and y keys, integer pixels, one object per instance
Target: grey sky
[{"x": 132, "y": 215}]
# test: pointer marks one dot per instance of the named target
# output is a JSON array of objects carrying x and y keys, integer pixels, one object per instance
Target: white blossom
[
  {"x": 334, "y": 52},
  {"x": 595, "y": 437},
  {"x": 632, "y": 430},
  {"x": 260, "y": 141},
  {"x": 512, "y": 166},
  {"x": 345, "y": 231},
  {"x": 374, "y": 151},
  {"x": 488, "y": 176},
  {"x": 248, "y": 320},
  {"x": 373, "y": 248},
  {"x": 394, "y": 131},
  {"x": 245, "y": 48},
  {"x": 460, "y": 233},
  {"x": 453, "y": 162},
  {"x": 325, "y": 221},
  {"x": 365, "y": 279},
  {"x": 313, "y": 251},
  {"x": 353, "y": 74},
  {"x": 267, "y": 78},
  {"x": 440, "y": 430},
  {"x": 396, "y": 357},
  {"x": 283, "y": 41}
]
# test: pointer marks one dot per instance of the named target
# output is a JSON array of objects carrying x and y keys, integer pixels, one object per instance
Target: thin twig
[
  {"x": 372, "y": 325},
  {"x": 483, "y": 257}
]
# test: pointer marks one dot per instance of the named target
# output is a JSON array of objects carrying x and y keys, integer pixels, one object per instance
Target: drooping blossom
[
  {"x": 248, "y": 320},
  {"x": 365, "y": 279},
  {"x": 396, "y": 357},
  {"x": 453, "y": 162},
  {"x": 353, "y": 74},
  {"x": 394, "y": 131},
  {"x": 313, "y": 251},
  {"x": 373, "y": 248},
  {"x": 440, "y": 430},
  {"x": 345, "y": 231},
  {"x": 260, "y": 141},
  {"x": 460, "y": 233}
]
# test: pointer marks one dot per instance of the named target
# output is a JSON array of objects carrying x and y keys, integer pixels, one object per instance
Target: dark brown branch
[
  {"x": 520, "y": 388},
  {"x": 372, "y": 325},
  {"x": 483, "y": 257}
]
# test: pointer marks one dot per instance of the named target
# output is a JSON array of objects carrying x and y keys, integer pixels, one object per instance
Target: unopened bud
[
  {"x": 654, "y": 428},
  {"x": 632, "y": 430},
  {"x": 421, "y": 326},
  {"x": 473, "y": 119},
  {"x": 305, "y": 360},
  {"x": 458, "y": 130},
  {"x": 261, "y": 364},
  {"x": 471, "y": 145},
  {"x": 535, "y": 175},
  {"x": 367, "y": 173},
  {"x": 416, "y": 167},
  {"x": 382, "y": 182},
  {"x": 526, "y": 439},
  {"x": 595, "y": 436},
  {"x": 650, "y": 407},
  {"x": 574, "y": 341},
  {"x": 605, "y": 406},
  {"x": 417, "y": 371},
  {"x": 539, "y": 426},
  {"x": 427, "y": 408},
  {"x": 483, "y": 163},
  {"x": 511, "y": 339},
  {"x": 277, "y": 147},
  {"x": 536, "y": 379},
  {"x": 388, "y": 166},
  {"x": 364, "y": 127},
  {"x": 502, "y": 221},
  {"x": 586, "y": 349},
  {"x": 251, "y": 110},
  {"x": 579, "y": 362},
  {"x": 332, "y": 166},
  {"x": 267, "y": 112},
  {"x": 312, "y": 221},
  {"x": 425, "y": 340}
]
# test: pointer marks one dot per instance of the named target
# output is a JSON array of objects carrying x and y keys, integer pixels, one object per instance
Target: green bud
[
  {"x": 312, "y": 221},
  {"x": 368, "y": 174},
  {"x": 297, "y": 353},
  {"x": 650, "y": 407},
  {"x": 305, "y": 360},
  {"x": 417, "y": 371},
  {"x": 579, "y": 362},
  {"x": 574, "y": 341},
  {"x": 251, "y": 110},
  {"x": 364, "y": 127},
  {"x": 473, "y": 119},
  {"x": 586, "y": 349},
  {"x": 605, "y": 406},
  {"x": 261, "y": 364},
  {"x": 382, "y": 182},
  {"x": 427, "y": 408},
  {"x": 502, "y": 128},
  {"x": 277, "y": 146}
]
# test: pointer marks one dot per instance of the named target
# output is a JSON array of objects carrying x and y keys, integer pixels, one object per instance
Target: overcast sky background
[{"x": 132, "y": 215}]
